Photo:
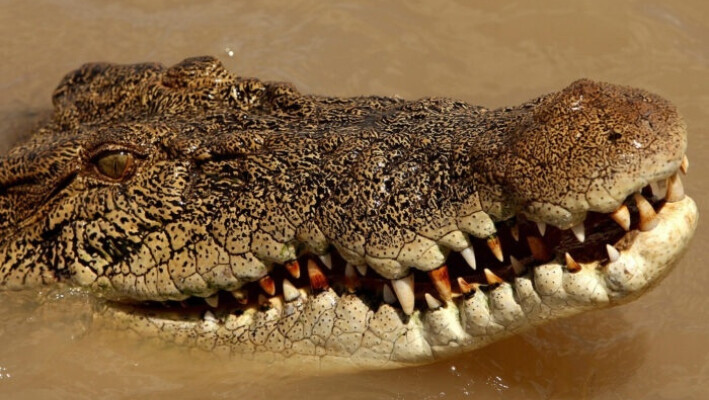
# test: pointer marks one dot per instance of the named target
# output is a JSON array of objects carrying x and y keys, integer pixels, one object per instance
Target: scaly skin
[{"x": 151, "y": 185}]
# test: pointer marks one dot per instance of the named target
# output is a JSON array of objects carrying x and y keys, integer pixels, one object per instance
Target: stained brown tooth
[
  {"x": 351, "y": 278},
  {"x": 571, "y": 264},
  {"x": 622, "y": 217},
  {"x": 469, "y": 256},
  {"x": 318, "y": 281},
  {"x": 262, "y": 300},
  {"x": 241, "y": 296},
  {"x": 362, "y": 269},
  {"x": 465, "y": 287},
  {"x": 388, "y": 295},
  {"x": 542, "y": 228},
  {"x": 293, "y": 268},
  {"x": 514, "y": 231},
  {"x": 493, "y": 242},
  {"x": 675, "y": 190},
  {"x": 212, "y": 301},
  {"x": 648, "y": 217},
  {"x": 404, "y": 289},
  {"x": 432, "y": 302},
  {"x": 517, "y": 266},
  {"x": 579, "y": 231},
  {"x": 267, "y": 285},
  {"x": 290, "y": 293},
  {"x": 326, "y": 260},
  {"x": 539, "y": 250},
  {"x": 492, "y": 279},
  {"x": 684, "y": 166},
  {"x": 613, "y": 253},
  {"x": 441, "y": 281}
]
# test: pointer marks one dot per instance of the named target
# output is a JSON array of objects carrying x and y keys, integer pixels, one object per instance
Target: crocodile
[{"x": 242, "y": 217}]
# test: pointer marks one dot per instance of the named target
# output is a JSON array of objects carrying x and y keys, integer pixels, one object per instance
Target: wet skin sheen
[{"x": 244, "y": 217}]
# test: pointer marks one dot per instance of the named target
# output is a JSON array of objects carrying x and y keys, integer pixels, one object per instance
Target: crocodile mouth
[{"x": 519, "y": 247}]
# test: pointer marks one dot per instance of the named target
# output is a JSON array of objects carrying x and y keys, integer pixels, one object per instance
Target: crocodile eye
[{"x": 114, "y": 165}]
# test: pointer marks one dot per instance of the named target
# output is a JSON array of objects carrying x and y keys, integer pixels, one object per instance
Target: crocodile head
[{"x": 241, "y": 216}]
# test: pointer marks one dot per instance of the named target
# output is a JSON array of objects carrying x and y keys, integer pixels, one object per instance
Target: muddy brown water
[{"x": 654, "y": 348}]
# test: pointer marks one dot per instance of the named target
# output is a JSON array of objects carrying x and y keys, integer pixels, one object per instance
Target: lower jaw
[{"x": 349, "y": 329}]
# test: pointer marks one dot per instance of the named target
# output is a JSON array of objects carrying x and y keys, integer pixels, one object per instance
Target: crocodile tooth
[
  {"x": 262, "y": 300},
  {"x": 579, "y": 232},
  {"x": 432, "y": 302},
  {"x": 648, "y": 217},
  {"x": 290, "y": 293},
  {"x": 209, "y": 316},
  {"x": 318, "y": 281},
  {"x": 276, "y": 302},
  {"x": 212, "y": 301},
  {"x": 493, "y": 242},
  {"x": 241, "y": 296},
  {"x": 351, "y": 278},
  {"x": 404, "y": 289},
  {"x": 441, "y": 281},
  {"x": 492, "y": 279},
  {"x": 571, "y": 264},
  {"x": 293, "y": 268},
  {"x": 465, "y": 287},
  {"x": 268, "y": 285},
  {"x": 469, "y": 256},
  {"x": 539, "y": 250},
  {"x": 326, "y": 260},
  {"x": 514, "y": 231},
  {"x": 675, "y": 190},
  {"x": 658, "y": 191},
  {"x": 684, "y": 166},
  {"x": 517, "y": 266},
  {"x": 362, "y": 269},
  {"x": 613, "y": 254},
  {"x": 542, "y": 226},
  {"x": 388, "y": 295},
  {"x": 622, "y": 217}
]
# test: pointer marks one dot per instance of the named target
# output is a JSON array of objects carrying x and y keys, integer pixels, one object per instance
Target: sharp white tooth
[
  {"x": 658, "y": 191},
  {"x": 213, "y": 301},
  {"x": 469, "y": 255},
  {"x": 542, "y": 226},
  {"x": 613, "y": 253},
  {"x": 290, "y": 293},
  {"x": 362, "y": 269},
  {"x": 622, "y": 217},
  {"x": 404, "y": 289},
  {"x": 684, "y": 166},
  {"x": 517, "y": 266},
  {"x": 432, "y": 302},
  {"x": 276, "y": 303},
  {"x": 351, "y": 278},
  {"x": 326, "y": 260},
  {"x": 579, "y": 232},
  {"x": 209, "y": 316},
  {"x": 648, "y": 216},
  {"x": 675, "y": 190},
  {"x": 388, "y": 295}
]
